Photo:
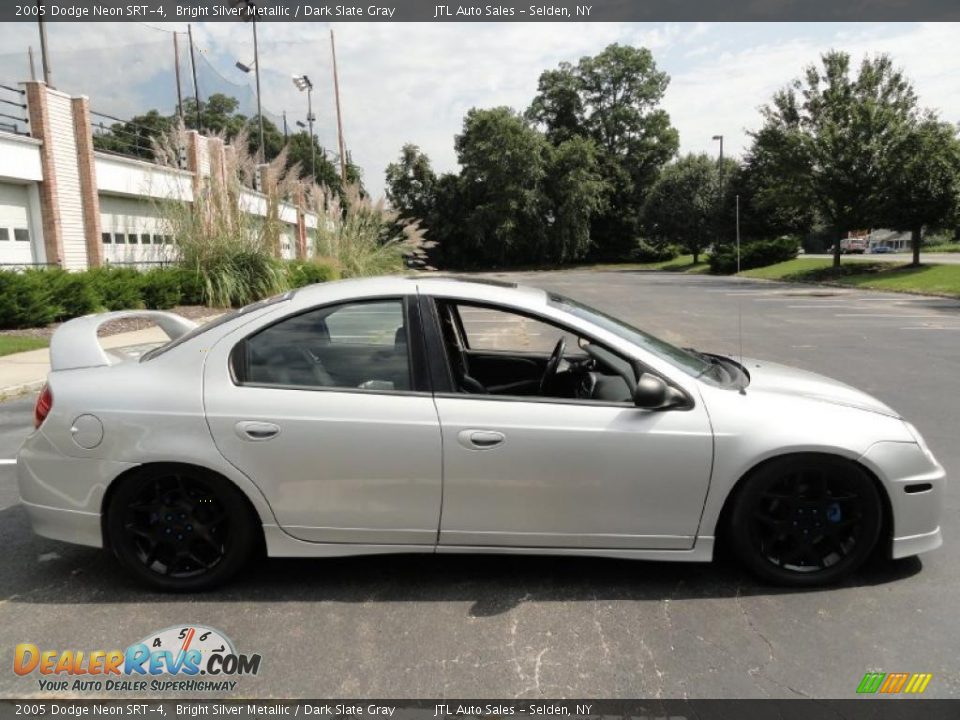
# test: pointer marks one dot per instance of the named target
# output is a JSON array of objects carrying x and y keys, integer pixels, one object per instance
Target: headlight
[{"x": 921, "y": 442}]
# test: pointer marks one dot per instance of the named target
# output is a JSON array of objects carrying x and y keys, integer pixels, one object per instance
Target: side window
[
  {"x": 359, "y": 345},
  {"x": 495, "y": 351},
  {"x": 496, "y": 330}
]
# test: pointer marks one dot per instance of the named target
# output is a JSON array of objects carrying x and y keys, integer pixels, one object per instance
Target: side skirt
[{"x": 280, "y": 544}]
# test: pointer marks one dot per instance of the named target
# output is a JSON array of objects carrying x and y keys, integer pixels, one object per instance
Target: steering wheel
[{"x": 553, "y": 364}]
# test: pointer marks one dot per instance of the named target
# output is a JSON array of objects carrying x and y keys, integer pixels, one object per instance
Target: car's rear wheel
[
  {"x": 179, "y": 528},
  {"x": 806, "y": 520}
]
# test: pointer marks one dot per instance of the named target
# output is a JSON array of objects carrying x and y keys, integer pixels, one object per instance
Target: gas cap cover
[{"x": 87, "y": 431}]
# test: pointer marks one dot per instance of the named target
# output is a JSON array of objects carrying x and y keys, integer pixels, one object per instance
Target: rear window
[{"x": 225, "y": 318}]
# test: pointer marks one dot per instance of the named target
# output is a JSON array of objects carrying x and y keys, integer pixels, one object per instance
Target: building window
[
  {"x": 168, "y": 240},
  {"x": 106, "y": 238},
  {"x": 157, "y": 240},
  {"x": 21, "y": 235},
  {"x": 120, "y": 238},
  {"x": 145, "y": 239},
  {"x": 4, "y": 234},
  {"x": 132, "y": 238}
]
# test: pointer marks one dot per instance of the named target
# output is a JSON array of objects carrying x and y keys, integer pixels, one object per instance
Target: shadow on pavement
[{"x": 40, "y": 571}]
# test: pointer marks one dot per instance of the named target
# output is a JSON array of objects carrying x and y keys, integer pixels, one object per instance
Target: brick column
[
  {"x": 193, "y": 158},
  {"x": 49, "y": 200},
  {"x": 86, "y": 164}
]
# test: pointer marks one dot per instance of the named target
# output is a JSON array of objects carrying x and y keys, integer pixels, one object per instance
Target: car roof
[{"x": 478, "y": 289}]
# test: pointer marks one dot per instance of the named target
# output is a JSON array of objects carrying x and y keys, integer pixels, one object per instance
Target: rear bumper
[{"x": 72, "y": 526}]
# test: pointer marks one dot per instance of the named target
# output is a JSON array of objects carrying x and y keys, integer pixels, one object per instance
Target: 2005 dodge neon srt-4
[{"x": 437, "y": 415}]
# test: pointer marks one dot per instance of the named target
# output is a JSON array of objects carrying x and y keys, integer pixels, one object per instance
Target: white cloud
[
  {"x": 414, "y": 82},
  {"x": 721, "y": 93}
]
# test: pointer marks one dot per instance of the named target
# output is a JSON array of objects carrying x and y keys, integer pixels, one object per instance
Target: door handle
[
  {"x": 251, "y": 430},
  {"x": 480, "y": 439}
]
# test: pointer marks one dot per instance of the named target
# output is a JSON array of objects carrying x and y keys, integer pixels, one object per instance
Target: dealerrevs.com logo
[{"x": 183, "y": 658}]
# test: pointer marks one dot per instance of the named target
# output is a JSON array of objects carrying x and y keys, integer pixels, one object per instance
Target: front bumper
[{"x": 914, "y": 482}]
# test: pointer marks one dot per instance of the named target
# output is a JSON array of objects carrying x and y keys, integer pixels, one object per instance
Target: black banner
[
  {"x": 502, "y": 11},
  {"x": 800, "y": 709}
]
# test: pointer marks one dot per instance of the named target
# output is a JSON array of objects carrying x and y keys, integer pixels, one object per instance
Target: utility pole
[
  {"x": 256, "y": 66},
  {"x": 336, "y": 93},
  {"x": 176, "y": 66},
  {"x": 44, "y": 56},
  {"x": 196, "y": 87}
]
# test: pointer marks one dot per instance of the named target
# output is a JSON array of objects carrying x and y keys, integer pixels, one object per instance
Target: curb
[{"x": 13, "y": 391}]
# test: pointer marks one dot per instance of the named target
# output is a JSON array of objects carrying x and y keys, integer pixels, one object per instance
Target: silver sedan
[{"x": 431, "y": 415}]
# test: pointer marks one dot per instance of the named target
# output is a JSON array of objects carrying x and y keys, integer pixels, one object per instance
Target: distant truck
[{"x": 854, "y": 246}]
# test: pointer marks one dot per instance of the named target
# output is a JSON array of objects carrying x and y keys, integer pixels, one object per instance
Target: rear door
[{"x": 329, "y": 412}]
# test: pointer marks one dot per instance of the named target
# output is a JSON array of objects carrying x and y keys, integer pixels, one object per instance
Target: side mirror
[{"x": 652, "y": 393}]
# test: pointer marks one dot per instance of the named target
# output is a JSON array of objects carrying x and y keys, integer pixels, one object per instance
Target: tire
[
  {"x": 180, "y": 529},
  {"x": 806, "y": 520}
]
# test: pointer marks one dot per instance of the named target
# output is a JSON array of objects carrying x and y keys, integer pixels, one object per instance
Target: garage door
[{"x": 15, "y": 235}]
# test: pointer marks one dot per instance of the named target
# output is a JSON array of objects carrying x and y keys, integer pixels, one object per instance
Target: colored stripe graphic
[
  {"x": 918, "y": 683},
  {"x": 893, "y": 683},
  {"x": 870, "y": 683}
]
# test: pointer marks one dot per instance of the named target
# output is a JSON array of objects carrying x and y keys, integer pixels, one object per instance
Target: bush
[
  {"x": 645, "y": 252},
  {"x": 119, "y": 288},
  {"x": 760, "y": 253},
  {"x": 160, "y": 289},
  {"x": 26, "y": 299},
  {"x": 190, "y": 285},
  {"x": 308, "y": 272},
  {"x": 73, "y": 294}
]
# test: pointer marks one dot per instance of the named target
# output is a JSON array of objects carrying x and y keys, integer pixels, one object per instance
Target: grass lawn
[
  {"x": 10, "y": 344},
  {"x": 946, "y": 248},
  {"x": 929, "y": 279},
  {"x": 681, "y": 263}
]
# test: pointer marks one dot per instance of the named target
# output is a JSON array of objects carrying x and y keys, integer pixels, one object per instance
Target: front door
[
  {"x": 544, "y": 470},
  {"x": 323, "y": 411}
]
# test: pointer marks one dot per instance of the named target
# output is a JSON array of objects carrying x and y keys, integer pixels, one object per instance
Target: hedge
[
  {"x": 759, "y": 253},
  {"x": 34, "y": 298}
]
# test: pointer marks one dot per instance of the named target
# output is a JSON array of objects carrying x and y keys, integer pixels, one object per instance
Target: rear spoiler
[{"x": 75, "y": 343}]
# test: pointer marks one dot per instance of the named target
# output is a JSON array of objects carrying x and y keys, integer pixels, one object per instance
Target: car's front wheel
[
  {"x": 180, "y": 528},
  {"x": 806, "y": 520}
]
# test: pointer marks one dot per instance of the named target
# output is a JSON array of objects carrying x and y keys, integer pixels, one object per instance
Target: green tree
[
  {"x": 683, "y": 206},
  {"x": 411, "y": 184},
  {"x": 612, "y": 98},
  {"x": 504, "y": 163},
  {"x": 133, "y": 137},
  {"x": 576, "y": 189},
  {"x": 827, "y": 139},
  {"x": 924, "y": 179}
]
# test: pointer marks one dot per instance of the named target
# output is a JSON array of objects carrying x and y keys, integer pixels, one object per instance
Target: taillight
[{"x": 43, "y": 406}]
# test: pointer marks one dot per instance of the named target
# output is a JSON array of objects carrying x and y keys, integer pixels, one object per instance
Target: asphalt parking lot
[{"x": 455, "y": 626}]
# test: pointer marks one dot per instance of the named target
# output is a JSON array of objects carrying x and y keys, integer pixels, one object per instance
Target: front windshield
[{"x": 681, "y": 359}]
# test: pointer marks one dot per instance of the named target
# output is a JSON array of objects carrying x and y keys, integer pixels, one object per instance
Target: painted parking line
[
  {"x": 8, "y": 461},
  {"x": 889, "y": 315},
  {"x": 927, "y": 327}
]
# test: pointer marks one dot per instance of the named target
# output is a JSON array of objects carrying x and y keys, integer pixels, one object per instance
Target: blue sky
[{"x": 414, "y": 81}]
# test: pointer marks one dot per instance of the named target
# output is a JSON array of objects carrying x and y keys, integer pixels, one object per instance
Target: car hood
[{"x": 784, "y": 380}]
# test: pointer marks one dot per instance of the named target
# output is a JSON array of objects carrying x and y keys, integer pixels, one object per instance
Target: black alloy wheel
[
  {"x": 180, "y": 528},
  {"x": 806, "y": 520}
]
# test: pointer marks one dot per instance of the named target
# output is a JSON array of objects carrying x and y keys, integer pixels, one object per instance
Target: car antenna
[{"x": 743, "y": 387}]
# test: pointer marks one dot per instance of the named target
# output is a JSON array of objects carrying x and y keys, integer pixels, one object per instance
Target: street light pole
[
  {"x": 302, "y": 82},
  {"x": 313, "y": 145},
  {"x": 256, "y": 65},
  {"x": 720, "y": 138},
  {"x": 44, "y": 56}
]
